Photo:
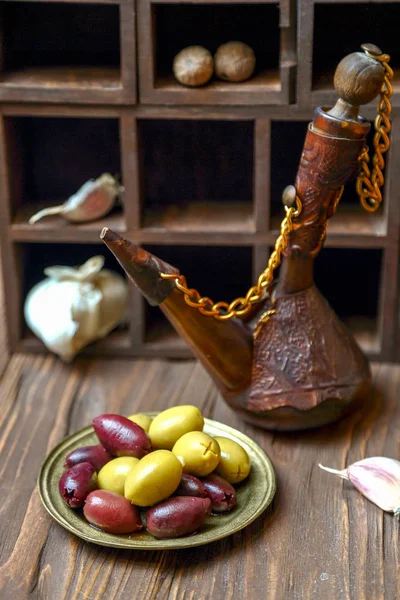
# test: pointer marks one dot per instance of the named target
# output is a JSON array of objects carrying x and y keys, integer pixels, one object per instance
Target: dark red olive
[
  {"x": 95, "y": 455},
  {"x": 112, "y": 512},
  {"x": 177, "y": 516},
  {"x": 222, "y": 494},
  {"x": 190, "y": 486},
  {"x": 121, "y": 437},
  {"x": 76, "y": 483}
]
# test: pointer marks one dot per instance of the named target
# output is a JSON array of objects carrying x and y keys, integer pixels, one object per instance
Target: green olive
[
  {"x": 234, "y": 464},
  {"x": 173, "y": 423},
  {"x": 112, "y": 476},
  {"x": 155, "y": 477},
  {"x": 199, "y": 453},
  {"x": 142, "y": 420}
]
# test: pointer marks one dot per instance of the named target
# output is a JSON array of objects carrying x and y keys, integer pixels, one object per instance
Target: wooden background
[
  {"x": 87, "y": 87},
  {"x": 320, "y": 539}
]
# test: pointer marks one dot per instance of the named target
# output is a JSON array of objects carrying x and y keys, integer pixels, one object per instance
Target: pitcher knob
[{"x": 359, "y": 76}]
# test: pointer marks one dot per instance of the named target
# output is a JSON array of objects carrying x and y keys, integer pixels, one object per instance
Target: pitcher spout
[{"x": 225, "y": 348}]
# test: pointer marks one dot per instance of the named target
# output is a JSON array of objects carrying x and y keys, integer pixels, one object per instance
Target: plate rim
[{"x": 167, "y": 544}]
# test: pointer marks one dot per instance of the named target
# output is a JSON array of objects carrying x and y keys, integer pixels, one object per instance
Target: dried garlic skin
[
  {"x": 193, "y": 66},
  {"x": 92, "y": 201},
  {"x": 74, "y": 307},
  {"x": 234, "y": 61},
  {"x": 377, "y": 478}
]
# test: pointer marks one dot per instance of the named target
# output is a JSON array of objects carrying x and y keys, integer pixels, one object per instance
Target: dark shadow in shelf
[
  {"x": 350, "y": 281},
  {"x": 52, "y": 157},
  {"x": 368, "y": 22},
  {"x": 287, "y": 139},
  {"x": 197, "y": 175},
  {"x": 221, "y": 273},
  {"x": 57, "y": 45}
]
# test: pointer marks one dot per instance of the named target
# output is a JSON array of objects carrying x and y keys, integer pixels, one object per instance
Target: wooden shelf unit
[{"x": 203, "y": 170}]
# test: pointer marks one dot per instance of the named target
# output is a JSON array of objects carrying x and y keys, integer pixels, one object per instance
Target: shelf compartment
[
  {"x": 222, "y": 273},
  {"x": 197, "y": 175},
  {"x": 350, "y": 280},
  {"x": 56, "y": 51},
  {"x": 376, "y": 22},
  {"x": 178, "y": 25},
  {"x": 51, "y": 158},
  {"x": 350, "y": 219},
  {"x": 34, "y": 258}
]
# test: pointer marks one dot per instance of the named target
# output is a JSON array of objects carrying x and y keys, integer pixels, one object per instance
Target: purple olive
[
  {"x": 177, "y": 516},
  {"x": 222, "y": 494},
  {"x": 76, "y": 483},
  {"x": 95, "y": 455},
  {"x": 190, "y": 486},
  {"x": 112, "y": 512},
  {"x": 121, "y": 437}
]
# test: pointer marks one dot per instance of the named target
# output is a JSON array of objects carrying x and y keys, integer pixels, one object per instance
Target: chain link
[
  {"x": 240, "y": 307},
  {"x": 369, "y": 182}
]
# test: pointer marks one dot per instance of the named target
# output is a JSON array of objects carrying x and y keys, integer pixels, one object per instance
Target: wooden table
[{"x": 320, "y": 539}]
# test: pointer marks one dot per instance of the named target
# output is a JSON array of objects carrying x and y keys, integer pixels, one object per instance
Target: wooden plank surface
[{"x": 320, "y": 539}]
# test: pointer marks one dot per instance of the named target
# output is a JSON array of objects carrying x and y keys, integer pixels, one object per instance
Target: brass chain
[
  {"x": 368, "y": 188},
  {"x": 369, "y": 182},
  {"x": 240, "y": 307}
]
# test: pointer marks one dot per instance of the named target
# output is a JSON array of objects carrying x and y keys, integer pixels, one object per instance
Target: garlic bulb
[
  {"x": 76, "y": 306},
  {"x": 193, "y": 66},
  {"x": 377, "y": 478},
  {"x": 93, "y": 200}
]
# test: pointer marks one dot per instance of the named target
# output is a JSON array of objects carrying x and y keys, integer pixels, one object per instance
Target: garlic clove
[
  {"x": 92, "y": 201},
  {"x": 377, "y": 478},
  {"x": 114, "y": 308},
  {"x": 47, "y": 314},
  {"x": 86, "y": 311}
]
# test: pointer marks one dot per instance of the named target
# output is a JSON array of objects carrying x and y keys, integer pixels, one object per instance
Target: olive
[
  {"x": 95, "y": 455},
  {"x": 177, "y": 516},
  {"x": 234, "y": 464},
  {"x": 121, "y": 437},
  {"x": 155, "y": 477},
  {"x": 76, "y": 483},
  {"x": 198, "y": 451},
  {"x": 111, "y": 512},
  {"x": 142, "y": 420},
  {"x": 112, "y": 476},
  {"x": 221, "y": 493},
  {"x": 171, "y": 424},
  {"x": 190, "y": 486}
]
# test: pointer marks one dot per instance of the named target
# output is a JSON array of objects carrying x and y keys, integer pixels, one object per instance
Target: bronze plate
[{"x": 254, "y": 494}]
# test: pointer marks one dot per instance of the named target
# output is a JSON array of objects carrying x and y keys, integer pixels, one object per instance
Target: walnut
[
  {"x": 193, "y": 66},
  {"x": 234, "y": 61}
]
